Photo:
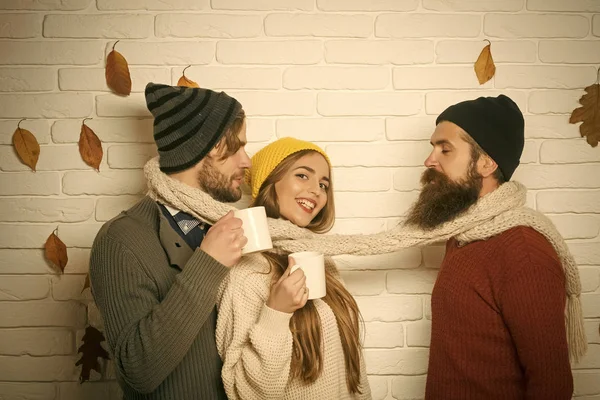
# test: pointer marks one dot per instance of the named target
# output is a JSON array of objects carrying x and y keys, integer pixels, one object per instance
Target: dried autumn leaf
[
  {"x": 184, "y": 81},
  {"x": 91, "y": 349},
  {"x": 90, "y": 147},
  {"x": 484, "y": 66},
  {"x": 86, "y": 284},
  {"x": 589, "y": 114},
  {"x": 56, "y": 251},
  {"x": 26, "y": 146},
  {"x": 117, "y": 73}
]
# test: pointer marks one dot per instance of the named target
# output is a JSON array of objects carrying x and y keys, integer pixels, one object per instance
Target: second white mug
[
  {"x": 256, "y": 229},
  {"x": 313, "y": 265}
]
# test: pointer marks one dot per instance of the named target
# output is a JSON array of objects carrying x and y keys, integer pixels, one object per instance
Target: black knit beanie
[
  {"x": 496, "y": 124},
  {"x": 188, "y": 122}
]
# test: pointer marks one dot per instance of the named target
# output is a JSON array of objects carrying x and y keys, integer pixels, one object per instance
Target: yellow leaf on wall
[
  {"x": 26, "y": 146},
  {"x": 484, "y": 66},
  {"x": 184, "y": 81}
]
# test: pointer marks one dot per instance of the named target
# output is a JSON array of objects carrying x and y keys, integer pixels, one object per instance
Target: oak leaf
[
  {"x": 91, "y": 350},
  {"x": 90, "y": 147},
  {"x": 26, "y": 146},
  {"x": 484, "y": 66},
  {"x": 56, "y": 251},
  {"x": 184, "y": 81},
  {"x": 117, "y": 73},
  {"x": 589, "y": 114}
]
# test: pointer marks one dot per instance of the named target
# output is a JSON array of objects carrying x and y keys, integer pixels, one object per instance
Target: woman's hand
[{"x": 289, "y": 293}]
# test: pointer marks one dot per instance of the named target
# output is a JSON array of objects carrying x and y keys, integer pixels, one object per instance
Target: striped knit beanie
[{"x": 188, "y": 122}]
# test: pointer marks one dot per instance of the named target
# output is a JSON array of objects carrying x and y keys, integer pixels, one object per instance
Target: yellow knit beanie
[{"x": 269, "y": 157}]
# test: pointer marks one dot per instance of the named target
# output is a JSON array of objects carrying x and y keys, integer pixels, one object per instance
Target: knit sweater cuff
[{"x": 273, "y": 320}]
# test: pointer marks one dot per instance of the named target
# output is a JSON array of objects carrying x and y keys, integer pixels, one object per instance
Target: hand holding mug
[
  {"x": 225, "y": 240},
  {"x": 289, "y": 293}
]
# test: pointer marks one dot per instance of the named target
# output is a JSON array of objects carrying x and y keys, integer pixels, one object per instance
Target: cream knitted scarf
[{"x": 500, "y": 210}]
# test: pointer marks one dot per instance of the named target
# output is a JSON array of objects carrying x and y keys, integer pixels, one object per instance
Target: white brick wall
[{"x": 365, "y": 79}]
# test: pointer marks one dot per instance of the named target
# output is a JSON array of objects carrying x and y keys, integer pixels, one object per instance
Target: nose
[
  {"x": 314, "y": 188},
  {"x": 245, "y": 161},
  {"x": 431, "y": 162}
]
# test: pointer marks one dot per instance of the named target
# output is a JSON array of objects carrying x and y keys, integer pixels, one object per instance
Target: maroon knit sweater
[{"x": 498, "y": 321}]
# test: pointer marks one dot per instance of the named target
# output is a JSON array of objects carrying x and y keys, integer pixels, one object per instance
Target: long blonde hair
[{"x": 305, "y": 324}]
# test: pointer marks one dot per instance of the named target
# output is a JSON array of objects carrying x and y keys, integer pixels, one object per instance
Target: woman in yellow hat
[{"x": 274, "y": 342}]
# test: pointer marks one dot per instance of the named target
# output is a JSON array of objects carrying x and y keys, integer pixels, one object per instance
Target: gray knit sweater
[{"x": 157, "y": 298}]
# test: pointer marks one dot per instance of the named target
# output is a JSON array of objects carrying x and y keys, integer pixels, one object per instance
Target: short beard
[
  {"x": 216, "y": 184},
  {"x": 444, "y": 200}
]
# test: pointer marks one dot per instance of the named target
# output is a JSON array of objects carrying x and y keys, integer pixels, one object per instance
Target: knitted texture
[
  {"x": 269, "y": 157},
  {"x": 255, "y": 342},
  {"x": 498, "y": 211}
]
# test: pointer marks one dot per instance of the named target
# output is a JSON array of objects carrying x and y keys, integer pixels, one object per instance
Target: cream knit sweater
[{"x": 255, "y": 341}]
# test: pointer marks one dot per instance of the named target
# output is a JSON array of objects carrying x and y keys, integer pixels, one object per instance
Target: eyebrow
[
  {"x": 309, "y": 169},
  {"x": 441, "y": 142}
]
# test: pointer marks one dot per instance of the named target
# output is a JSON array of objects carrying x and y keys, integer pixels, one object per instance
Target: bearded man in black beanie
[
  {"x": 498, "y": 305},
  {"x": 155, "y": 269}
]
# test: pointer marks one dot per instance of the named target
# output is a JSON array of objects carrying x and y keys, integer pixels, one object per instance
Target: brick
[
  {"x": 362, "y": 226},
  {"x": 427, "y": 307},
  {"x": 591, "y": 360},
  {"x": 361, "y": 283},
  {"x": 468, "y": 5},
  {"x": 165, "y": 53},
  {"x": 20, "y": 26},
  {"x": 558, "y": 176},
  {"x": 104, "y": 183},
  {"x": 29, "y": 391},
  {"x": 27, "y": 79},
  {"x": 427, "y": 25},
  {"x": 384, "y": 335},
  {"x": 45, "y": 210},
  {"x": 590, "y": 278},
  {"x": 576, "y": 226},
  {"x": 378, "y": 52},
  {"x": 390, "y": 308},
  {"x": 89, "y": 391},
  {"x": 46, "y": 105},
  {"x": 129, "y": 156},
  {"x": 396, "y": 362},
  {"x": 51, "y": 52},
  {"x": 23, "y": 288},
  {"x": 437, "y": 78},
  {"x": 585, "y": 253},
  {"x": 461, "y": 51},
  {"x": 109, "y": 105},
  {"x": 53, "y": 5},
  {"x": 109, "y": 207},
  {"x": 596, "y": 25},
  {"x": 28, "y": 183},
  {"x": 94, "y": 79},
  {"x": 535, "y": 25},
  {"x": 108, "y": 130},
  {"x": 379, "y": 155},
  {"x": 550, "y": 127},
  {"x": 94, "y": 317},
  {"x": 569, "y": 201},
  {"x": 332, "y": 129},
  {"x": 208, "y": 26},
  {"x": 408, "y": 387},
  {"x": 586, "y": 383},
  {"x": 369, "y": 78},
  {"x": 410, "y": 128},
  {"x": 79, "y": 235},
  {"x": 79, "y": 259},
  {"x": 304, "y": 52},
  {"x": 264, "y": 5},
  {"x": 39, "y": 128},
  {"x": 357, "y": 5},
  {"x": 542, "y": 76},
  {"x": 531, "y": 151},
  {"x": 232, "y": 77},
  {"x": 160, "y": 5},
  {"x": 52, "y": 158},
  {"x": 260, "y": 129},
  {"x": 373, "y": 104},
  {"x": 67, "y": 287},
  {"x": 43, "y": 314},
  {"x": 41, "y": 369},
  {"x": 125, "y": 26},
  {"x": 559, "y": 5},
  {"x": 592, "y": 330},
  {"x": 319, "y": 25},
  {"x": 25, "y": 236},
  {"x": 570, "y": 51},
  {"x": 407, "y": 179},
  {"x": 590, "y": 303},
  {"x": 418, "y": 334},
  {"x": 407, "y": 258},
  {"x": 412, "y": 281},
  {"x": 379, "y": 387},
  {"x": 276, "y": 103},
  {"x": 362, "y": 179},
  {"x": 436, "y": 102},
  {"x": 568, "y": 151},
  {"x": 23, "y": 261},
  {"x": 433, "y": 255},
  {"x": 352, "y": 205},
  {"x": 36, "y": 342}
]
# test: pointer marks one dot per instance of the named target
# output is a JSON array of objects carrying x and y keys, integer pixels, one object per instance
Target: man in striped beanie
[{"x": 155, "y": 269}]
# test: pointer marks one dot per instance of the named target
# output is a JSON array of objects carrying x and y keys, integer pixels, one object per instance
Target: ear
[{"x": 486, "y": 166}]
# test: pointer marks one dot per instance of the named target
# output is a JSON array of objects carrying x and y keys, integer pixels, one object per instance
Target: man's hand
[
  {"x": 224, "y": 240},
  {"x": 289, "y": 293}
]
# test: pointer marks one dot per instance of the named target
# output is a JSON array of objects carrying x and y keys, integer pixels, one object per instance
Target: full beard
[
  {"x": 441, "y": 199},
  {"x": 218, "y": 185}
]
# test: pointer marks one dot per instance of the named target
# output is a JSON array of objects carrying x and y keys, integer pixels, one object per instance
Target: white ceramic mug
[
  {"x": 256, "y": 229},
  {"x": 313, "y": 265}
]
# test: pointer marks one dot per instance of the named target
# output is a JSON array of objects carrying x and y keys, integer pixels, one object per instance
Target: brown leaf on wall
[
  {"x": 91, "y": 350},
  {"x": 184, "y": 81},
  {"x": 484, "y": 66},
  {"x": 117, "y": 73},
  {"x": 90, "y": 147},
  {"x": 26, "y": 146},
  {"x": 589, "y": 114},
  {"x": 56, "y": 252}
]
